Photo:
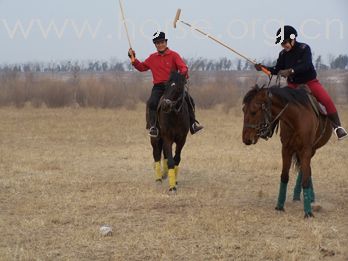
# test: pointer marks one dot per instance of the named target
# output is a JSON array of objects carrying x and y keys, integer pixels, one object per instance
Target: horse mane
[
  {"x": 251, "y": 94},
  {"x": 285, "y": 94},
  {"x": 176, "y": 77},
  {"x": 290, "y": 95}
]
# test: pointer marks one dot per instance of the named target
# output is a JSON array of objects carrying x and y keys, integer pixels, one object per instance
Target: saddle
[
  {"x": 147, "y": 117},
  {"x": 318, "y": 108}
]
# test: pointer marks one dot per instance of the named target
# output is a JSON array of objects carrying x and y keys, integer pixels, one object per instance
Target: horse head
[
  {"x": 257, "y": 115},
  {"x": 174, "y": 93}
]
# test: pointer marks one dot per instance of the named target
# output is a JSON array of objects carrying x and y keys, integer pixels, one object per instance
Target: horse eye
[
  {"x": 253, "y": 113},
  {"x": 173, "y": 84}
]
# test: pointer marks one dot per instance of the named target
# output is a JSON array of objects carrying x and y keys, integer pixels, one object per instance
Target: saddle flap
[{"x": 317, "y": 106}]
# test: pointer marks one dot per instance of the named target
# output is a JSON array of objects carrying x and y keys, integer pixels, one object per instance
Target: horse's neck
[{"x": 290, "y": 115}]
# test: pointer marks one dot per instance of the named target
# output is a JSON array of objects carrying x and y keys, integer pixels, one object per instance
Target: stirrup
[
  {"x": 342, "y": 137},
  {"x": 153, "y": 132},
  {"x": 196, "y": 128}
]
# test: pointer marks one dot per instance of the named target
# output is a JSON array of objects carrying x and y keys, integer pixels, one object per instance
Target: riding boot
[
  {"x": 336, "y": 124},
  {"x": 153, "y": 132},
  {"x": 194, "y": 124}
]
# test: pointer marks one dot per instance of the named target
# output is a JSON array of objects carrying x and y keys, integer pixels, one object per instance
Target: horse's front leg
[
  {"x": 306, "y": 182},
  {"x": 284, "y": 178},
  {"x": 156, "y": 144},
  {"x": 177, "y": 158},
  {"x": 167, "y": 147},
  {"x": 298, "y": 188}
]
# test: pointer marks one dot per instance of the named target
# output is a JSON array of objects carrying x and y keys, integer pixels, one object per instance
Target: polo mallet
[
  {"x": 177, "y": 18},
  {"x": 126, "y": 29}
]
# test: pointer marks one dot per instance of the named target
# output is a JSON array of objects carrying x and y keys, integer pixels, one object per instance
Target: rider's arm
[
  {"x": 279, "y": 65},
  {"x": 181, "y": 65},
  {"x": 141, "y": 66}
]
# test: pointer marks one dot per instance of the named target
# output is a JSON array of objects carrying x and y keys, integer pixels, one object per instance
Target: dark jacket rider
[{"x": 295, "y": 64}]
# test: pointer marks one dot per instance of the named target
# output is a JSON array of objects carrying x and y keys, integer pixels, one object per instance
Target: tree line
[{"x": 195, "y": 64}]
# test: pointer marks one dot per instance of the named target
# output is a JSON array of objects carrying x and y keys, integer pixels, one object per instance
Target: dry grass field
[{"x": 66, "y": 172}]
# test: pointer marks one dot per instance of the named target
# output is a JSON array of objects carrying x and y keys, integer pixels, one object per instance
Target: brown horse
[
  {"x": 302, "y": 132},
  {"x": 174, "y": 124}
]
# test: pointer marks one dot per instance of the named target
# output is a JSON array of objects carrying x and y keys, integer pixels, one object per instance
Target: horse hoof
[
  {"x": 316, "y": 207},
  {"x": 158, "y": 181},
  {"x": 172, "y": 191},
  {"x": 308, "y": 215},
  {"x": 279, "y": 208},
  {"x": 296, "y": 199}
]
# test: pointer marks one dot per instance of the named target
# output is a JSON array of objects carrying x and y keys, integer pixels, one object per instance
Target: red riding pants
[{"x": 320, "y": 93}]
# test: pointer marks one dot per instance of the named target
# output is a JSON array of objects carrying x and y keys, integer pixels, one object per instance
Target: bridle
[
  {"x": 265, "y": 128},
  {"x": 174, "y": 106}
]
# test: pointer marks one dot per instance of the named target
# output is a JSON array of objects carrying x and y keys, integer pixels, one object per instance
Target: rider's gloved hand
[
  {"x": 286, "y": 73},
  {"x": 130, "y": 52},
  {"x": 258, "y": 66}
]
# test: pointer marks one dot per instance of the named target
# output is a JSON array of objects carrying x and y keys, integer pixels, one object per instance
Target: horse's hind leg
[
  {"x": 306, "y": 183},
  {"x": 165, "y": 165},
  {"x": 156, "y": 151},
  {"x": 312, "y": 189},
  {"x": 298, "y": 187},
  {"x": 284, "y": 179}
]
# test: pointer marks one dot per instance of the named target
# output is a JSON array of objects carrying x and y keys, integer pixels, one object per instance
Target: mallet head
[{"x": 177, "y": 16}]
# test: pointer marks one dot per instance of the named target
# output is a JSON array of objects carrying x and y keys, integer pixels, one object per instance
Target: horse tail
[{"x": 296, "y": 162}]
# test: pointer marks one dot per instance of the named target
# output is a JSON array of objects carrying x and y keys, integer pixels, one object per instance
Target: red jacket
[{"x": 161, "y": 65}]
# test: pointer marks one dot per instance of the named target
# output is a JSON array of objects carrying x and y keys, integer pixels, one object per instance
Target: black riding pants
[{"x": 156, "y": 94}]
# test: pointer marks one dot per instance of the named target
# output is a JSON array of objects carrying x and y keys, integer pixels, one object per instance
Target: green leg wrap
[
  {"x": 307, "y": 197},
  {"x": 298, "y": 187},
  {"x": 281, "y": 196},
  {"x": 312, "y": 190}
]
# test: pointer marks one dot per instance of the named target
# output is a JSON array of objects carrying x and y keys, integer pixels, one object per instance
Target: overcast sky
[{"x": 54, "y": 30}]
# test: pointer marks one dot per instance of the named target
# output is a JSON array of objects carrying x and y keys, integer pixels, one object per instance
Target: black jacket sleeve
[{"x": 280, "y": 65}]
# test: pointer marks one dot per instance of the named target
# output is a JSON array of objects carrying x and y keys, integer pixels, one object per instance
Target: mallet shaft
[
  {"x": 177, "y": 16},
  {"x": 126, "y": 29}
]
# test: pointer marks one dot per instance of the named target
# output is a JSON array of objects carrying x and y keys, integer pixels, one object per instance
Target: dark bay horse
[
  {"x": 302, "y": 132},
  {"x": 174, "y": 124}
]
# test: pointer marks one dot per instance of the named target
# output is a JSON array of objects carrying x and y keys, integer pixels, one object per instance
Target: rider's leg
[
  {"x": 323, "y": 97},
  {"x": 194, "y": 124},
  {"x": 156, "y": 94}
]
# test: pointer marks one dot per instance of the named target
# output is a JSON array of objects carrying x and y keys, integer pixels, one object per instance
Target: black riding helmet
[
  {"x": 159, "y": 36},
  {"x": 289, "y": 33}
]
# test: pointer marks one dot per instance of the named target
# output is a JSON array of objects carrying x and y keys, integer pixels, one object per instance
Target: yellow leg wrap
[
  {"x": 176, "y": 169},
  {"x": 165, "y": 166},
  {"x": 172, "y": 180},
  {"x": 158, "y": 172}
]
